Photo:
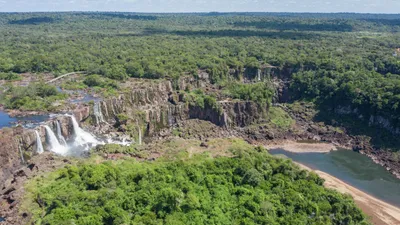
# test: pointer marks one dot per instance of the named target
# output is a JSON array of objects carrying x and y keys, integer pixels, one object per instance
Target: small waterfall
[
  {"x": 170, "y": 117},
  {"x": 61, "y": 138},
  {"x": 21, "y": 153},
  {"x": 140, "y": 136},
  {"x": 98, "y": 114},
  {"x": 39, "y": 145},
  {"x": 81, "y": 137},
  {"x": 259, "y": 75},
  {"x": 53, "y": 142}
]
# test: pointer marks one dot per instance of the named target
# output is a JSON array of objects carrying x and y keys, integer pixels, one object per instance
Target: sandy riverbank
[
  {"x": 380, "y": 213},
  {"x": 297, "y": 147}
]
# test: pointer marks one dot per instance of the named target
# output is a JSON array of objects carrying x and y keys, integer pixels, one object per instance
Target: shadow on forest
[
  {"x": 249, "y": 33},
  {"x": 128, "y": 16},
  {"x": 33, "y": 21},
  {"x": 380, "y": 137},
  {"x": 390, "y": 22},
  {"x": 275, "y": 25},
  {"x": 292, "y": 35}
]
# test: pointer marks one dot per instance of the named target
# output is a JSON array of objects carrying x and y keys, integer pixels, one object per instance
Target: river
[
  {"x": 353, "y": 168},
  {"x": 27, "y": 121}
]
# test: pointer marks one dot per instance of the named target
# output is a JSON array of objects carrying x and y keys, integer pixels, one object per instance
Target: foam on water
[
  {"x": 61, "y": 138},
  {"x": 81, "y": 137},
  {"x": 39, "y": 145},
  {"x": 55, "y": 145}
]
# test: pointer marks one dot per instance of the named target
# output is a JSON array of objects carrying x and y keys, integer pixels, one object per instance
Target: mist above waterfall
[
  {"x": 81, "y": 137},
  {"x": 55, "y": 145}
]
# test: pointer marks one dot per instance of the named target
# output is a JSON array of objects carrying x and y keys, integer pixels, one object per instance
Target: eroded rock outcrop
[{"x": 156, "y": 106}]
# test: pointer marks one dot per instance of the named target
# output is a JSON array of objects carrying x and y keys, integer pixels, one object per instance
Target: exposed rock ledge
[{"x": 297, "y": 147}]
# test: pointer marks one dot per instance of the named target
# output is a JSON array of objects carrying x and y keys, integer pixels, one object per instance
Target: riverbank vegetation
[
  {"x": 34, "y": 97},
  {"x": 251, "y": 187}
]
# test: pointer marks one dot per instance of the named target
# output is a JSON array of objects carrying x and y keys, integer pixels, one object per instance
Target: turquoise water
[{"x": 353, "y": 168}]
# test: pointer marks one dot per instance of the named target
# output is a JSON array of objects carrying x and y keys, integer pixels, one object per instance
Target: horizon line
[{"x": 197, "y": 12}]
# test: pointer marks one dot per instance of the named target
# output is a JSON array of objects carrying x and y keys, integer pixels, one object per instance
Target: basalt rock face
[
  {"x": 148, "y": 105},
  {"x": 10, "y": 158},
  {"x": 151, "y": 107},
  {"x": 17, "y": 147},
  {"x": 156, "y": 106},
  {"x": 382, "y": 121},
  {"x": 231, "y": 114},
  {"x": 242, "y": 113},
  {"x": 209, "y": 114},
  {"x": 189, "y": 82}
]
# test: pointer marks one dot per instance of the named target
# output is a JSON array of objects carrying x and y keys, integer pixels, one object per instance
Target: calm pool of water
[
  {"x": 27, "y": 121},
  {"x": 353, "y": 168},
  {"x": 86, "y": 96},
  {"x": 6, "y": 120}
]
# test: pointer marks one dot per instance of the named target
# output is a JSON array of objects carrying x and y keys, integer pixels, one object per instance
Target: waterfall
[
  {"x": 98, "y": 114},
  {"x": 259, "y": 75},
  {"x": 21, "y": 153},
  {"x": 55, "y": 145},
  {"x": 61, "y": 139},
  {"x": 81, "y": 137},
  {"x": 170, "y": 117},
  {"x": 39, "y": 146},
  {"x": 140, "y": 136}
]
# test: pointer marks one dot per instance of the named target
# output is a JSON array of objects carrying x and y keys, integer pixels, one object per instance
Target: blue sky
[{"x": 362, "y": 6}]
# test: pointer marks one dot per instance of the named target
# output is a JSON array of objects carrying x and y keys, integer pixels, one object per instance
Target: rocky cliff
[
  {"x": 150, "y": 106},
  {"x": 156, "y": 106},
  {"x": 382, "y": 121}
]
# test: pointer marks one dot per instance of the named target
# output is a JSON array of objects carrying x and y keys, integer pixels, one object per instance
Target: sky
[{"x": 360, "y": 6}]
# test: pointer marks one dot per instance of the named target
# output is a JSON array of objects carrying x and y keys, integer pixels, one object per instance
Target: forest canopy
[
  {"x": 334, "y": 60},
  {"x": 250, "y": 188}
]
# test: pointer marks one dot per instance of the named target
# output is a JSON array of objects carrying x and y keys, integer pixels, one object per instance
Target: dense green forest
[
  {"x": 331, "y": 59},
  {"x": 251, "y": 187},
  {"x": 334, "y": 59}
]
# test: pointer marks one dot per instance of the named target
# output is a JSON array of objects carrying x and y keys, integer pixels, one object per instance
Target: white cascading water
[
  {"x": 140, "y": 136},
  {"x": 98, "y": 114},
  {"x": 124, "y": 142},
  {"x": 61, "y": 138},
  {"x": 55, "y": 145},
  {"x": 39, "y": 145},
  {"x": 82, "y": 138}
]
